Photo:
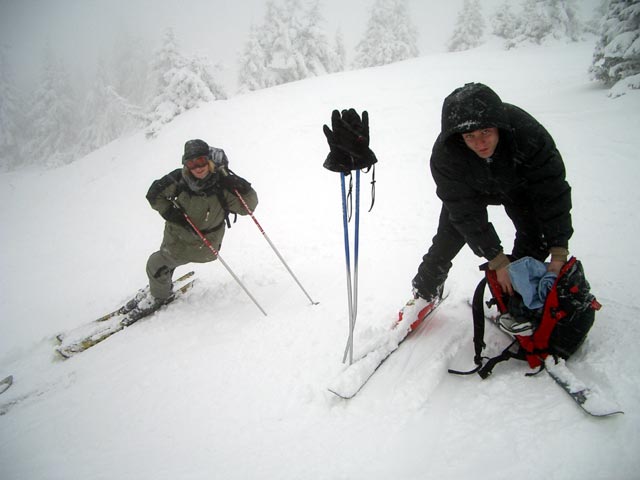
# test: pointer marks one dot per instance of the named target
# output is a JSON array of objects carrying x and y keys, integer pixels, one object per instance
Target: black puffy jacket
[{"x": 526, "y": 167}]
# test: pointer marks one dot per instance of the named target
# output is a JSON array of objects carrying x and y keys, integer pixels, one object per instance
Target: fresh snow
[{"x": 211, "y": 388}]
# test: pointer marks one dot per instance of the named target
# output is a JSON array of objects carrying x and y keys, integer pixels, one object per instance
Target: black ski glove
[
  {"x": 232, "y": 182},
  {"x": 174, "y": 215},
  {"x": 348, "y": 142}
]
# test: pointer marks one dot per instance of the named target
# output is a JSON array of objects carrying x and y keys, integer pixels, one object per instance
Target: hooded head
[{"x": 472, "y": 107}]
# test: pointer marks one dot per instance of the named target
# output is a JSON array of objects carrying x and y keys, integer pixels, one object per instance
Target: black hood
[{"x": 472, "y": 107}]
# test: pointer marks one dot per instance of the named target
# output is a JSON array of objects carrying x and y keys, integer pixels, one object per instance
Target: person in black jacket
[{"x": 494, "y": 153}]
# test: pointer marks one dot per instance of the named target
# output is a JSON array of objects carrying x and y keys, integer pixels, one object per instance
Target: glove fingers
[
  {"x": 352, "y": 118},
  {"x": 335, "y": 119},
  {"x": 365, "y": 122},
  {"x": 346, "y": 130},
  {"x": 328, "y": 133}
]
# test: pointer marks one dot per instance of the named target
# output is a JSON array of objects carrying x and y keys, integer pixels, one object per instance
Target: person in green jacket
[{"x": 204, "y": 190}]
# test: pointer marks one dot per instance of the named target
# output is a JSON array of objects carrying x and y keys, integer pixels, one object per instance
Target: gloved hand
[
  {"x": 348, "y": 142},
  {"x": 232, "y": 182},
  {"x": 174, "y": 215},
  {"x": 218, "y": 157}
]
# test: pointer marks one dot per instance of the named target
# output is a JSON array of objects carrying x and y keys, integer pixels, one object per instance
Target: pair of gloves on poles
[{"x": 348, "y": 140}]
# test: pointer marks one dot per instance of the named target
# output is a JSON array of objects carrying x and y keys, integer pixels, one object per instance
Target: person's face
[
  {"x": 482, "y": 142},
  {"x": 199, "y": 167}
]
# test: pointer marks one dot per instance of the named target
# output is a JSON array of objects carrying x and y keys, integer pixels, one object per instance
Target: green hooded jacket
[{"x": 206, "y": 203}]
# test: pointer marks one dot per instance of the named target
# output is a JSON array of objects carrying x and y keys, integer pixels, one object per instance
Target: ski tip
[
  {"x": 62, "y": 354},
  {"x": 340, "y": 395},
  {"x": 5, "y": 383},
  {"x": 601, "y": 413}
]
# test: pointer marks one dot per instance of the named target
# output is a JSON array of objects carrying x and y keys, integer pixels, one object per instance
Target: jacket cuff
[
  {"x": 559, "y": 254},
  {"x": 500, "y": 261}
]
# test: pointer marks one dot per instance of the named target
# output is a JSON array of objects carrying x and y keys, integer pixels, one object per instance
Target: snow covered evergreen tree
[
  {"x": 390, "y": 35},
  {"x": 469, "y": 28},
  {"x": 505, "y": 23},
  {"x": 340, "y": 57},
  {"x": 593, "y": 24},
  {"x": 253, "y": 73},
  {"x": 290, "y": 45},
  {"x": 314, "y": 55},
  {"x": 129, "y": 67},
  {"x": 105, "y": 114},
  {"x": 543, "y": 20},
  {"x": 181, "y": 84},
  {"x": 617, "y": 54},
  {"x": 11, "y": 113},
  {"x": 52, "y": 117}
]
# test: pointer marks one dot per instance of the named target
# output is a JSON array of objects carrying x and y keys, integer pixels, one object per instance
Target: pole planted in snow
[
  {"x": 266, "y": 237},
  {"x": 216, "y": 253}
]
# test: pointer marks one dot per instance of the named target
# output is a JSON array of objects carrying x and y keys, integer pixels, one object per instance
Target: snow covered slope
[{"x": 211, "y": 388}]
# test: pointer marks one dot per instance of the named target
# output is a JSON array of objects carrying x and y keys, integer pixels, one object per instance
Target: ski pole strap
[
  {"x": 347, "y": 196},
  {"x": 373, "y": 186}
]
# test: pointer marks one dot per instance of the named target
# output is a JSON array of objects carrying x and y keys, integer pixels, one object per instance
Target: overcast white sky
[{"x": 79, "y": 30}]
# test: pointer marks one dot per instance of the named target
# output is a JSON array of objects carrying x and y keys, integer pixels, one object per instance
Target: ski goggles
[{"x": 197, "y": 162}]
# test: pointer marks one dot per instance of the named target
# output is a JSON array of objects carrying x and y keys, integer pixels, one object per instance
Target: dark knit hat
[{"x": 193, "y": 149}]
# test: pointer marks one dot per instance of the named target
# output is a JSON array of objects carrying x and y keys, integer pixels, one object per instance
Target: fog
[{"x": 81, "y": 31}]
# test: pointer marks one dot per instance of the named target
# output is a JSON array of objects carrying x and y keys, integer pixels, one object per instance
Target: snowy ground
[{"x": 211, "y": 388}]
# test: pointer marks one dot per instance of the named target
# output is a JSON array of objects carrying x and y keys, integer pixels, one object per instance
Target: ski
[
  {"x": 589, "y": 398},
  {"x": 351, "y": 380},
  {"x": 142, "y": 293},
  {"x": 6, "y": 383},
  {"x": 86, "y": 336}
]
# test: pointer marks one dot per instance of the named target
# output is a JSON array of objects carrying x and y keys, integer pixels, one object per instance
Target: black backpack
[{"x": 562, "y": 324}]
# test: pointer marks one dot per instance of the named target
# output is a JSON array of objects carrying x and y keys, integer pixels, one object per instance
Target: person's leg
[
  {"x": 436, "y": 263},
  {"x": 160, "y": 267}
]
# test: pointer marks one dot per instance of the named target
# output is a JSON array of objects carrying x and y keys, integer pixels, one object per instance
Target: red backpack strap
[
  {"x": 496, "y": 290},
  {"x": 537, "y": 345}
]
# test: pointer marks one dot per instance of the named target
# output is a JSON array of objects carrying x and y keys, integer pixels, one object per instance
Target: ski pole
[
  {"x": 349, "y": 347},
  {"x": 356, "y": 242},
  {"x": 266, "y": 237},
  {"x": 216, "y": 253}
]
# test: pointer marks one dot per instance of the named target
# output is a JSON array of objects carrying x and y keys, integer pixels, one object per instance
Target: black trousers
[{"x": 436, "y": 263}]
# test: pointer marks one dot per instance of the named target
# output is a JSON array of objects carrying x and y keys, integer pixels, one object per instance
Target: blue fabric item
[{"x": 531, "y": 280}]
